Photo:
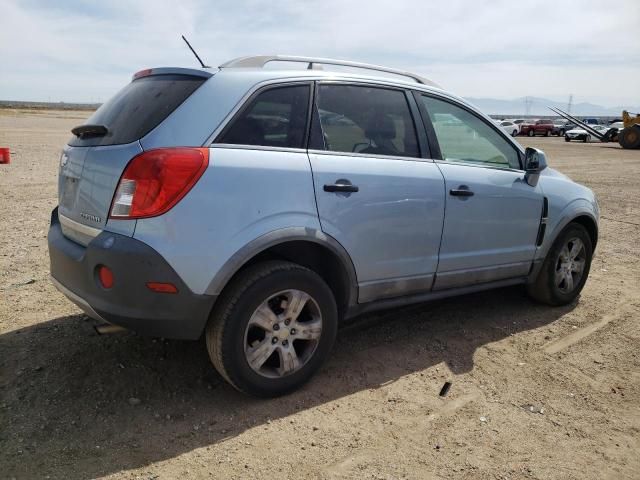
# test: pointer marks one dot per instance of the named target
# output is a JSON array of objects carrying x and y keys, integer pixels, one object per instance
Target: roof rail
[{"x": 259, "y": 61}]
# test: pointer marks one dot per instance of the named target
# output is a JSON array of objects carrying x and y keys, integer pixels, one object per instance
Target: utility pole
[
  {"x": 570, "y": 104},
  {"x": 527, "y": 105}
]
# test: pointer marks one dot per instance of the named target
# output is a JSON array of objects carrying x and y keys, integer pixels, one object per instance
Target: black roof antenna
[{"x": 194, "y": 52}]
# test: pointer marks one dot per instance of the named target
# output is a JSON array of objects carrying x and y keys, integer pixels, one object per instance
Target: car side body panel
[
  {"x": 491, "y": 235},
  {"x": 391, "y": 227},
  {"x": 244, "y": 194}
]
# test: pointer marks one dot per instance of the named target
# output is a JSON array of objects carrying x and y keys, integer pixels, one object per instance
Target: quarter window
[
  {"x": 275, "y": 118},
  {"x": 464, "y": 137},
  {"x": 357, "y": 119}
]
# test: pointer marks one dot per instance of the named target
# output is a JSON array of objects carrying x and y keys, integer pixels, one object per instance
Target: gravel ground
[{"x": 537, "y": 392}]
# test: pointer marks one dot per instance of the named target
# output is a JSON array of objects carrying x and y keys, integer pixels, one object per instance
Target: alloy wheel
[
  {"x": 283, "y": 334},
  {"x": 570, "y": 265}
]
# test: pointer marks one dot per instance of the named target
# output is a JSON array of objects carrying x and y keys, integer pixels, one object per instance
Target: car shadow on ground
[{"x": 68, "y": 394}]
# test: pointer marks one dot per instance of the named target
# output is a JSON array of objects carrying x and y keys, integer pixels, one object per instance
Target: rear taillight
[{"x": 156, "y": 180}]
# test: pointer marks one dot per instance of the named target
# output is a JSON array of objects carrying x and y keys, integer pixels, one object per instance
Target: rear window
[{"x": 138, "y": 108}]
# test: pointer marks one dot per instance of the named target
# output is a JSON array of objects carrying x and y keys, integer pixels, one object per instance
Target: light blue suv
[{"x": 261, "y": 207}]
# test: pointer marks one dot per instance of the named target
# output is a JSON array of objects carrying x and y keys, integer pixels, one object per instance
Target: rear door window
[
  {"x": 274, "y": 118},
  {"x": 370, "y": 120},
  {"x": 138, "y": 108}
]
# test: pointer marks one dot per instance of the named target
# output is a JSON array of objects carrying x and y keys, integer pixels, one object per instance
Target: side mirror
[{"x": 534, "y": 162}]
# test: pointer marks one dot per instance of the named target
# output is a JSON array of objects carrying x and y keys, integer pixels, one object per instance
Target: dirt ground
[{"x": 537, "y": 392}]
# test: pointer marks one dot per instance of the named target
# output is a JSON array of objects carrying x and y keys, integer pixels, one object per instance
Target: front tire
[
  {"x": 272, "y": 328},
  {"x": 565, "y": 269},
  {"x": 567, "y": 139},
  {"x": 531, "y": 133}
]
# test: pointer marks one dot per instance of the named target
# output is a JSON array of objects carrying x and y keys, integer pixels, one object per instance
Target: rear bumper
[{"x": 129, "y": 303}]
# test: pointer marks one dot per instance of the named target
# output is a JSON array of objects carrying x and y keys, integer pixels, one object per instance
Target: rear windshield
[{"x": 138, "y": 108}]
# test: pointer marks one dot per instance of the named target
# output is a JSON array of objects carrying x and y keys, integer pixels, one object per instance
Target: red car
[{"x": 539, "y": 127}]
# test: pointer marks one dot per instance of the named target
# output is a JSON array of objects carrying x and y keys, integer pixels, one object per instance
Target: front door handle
[
  {"x": 461, "y": 191},
  {"x": 340, "y": 186}
]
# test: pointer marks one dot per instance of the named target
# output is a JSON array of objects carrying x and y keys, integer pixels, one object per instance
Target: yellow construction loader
[{"x": 629, "y": 136}]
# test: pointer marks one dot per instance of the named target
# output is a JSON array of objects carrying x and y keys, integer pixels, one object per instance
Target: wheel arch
[
  {"x": 590, "y": 225},
  {"x": 583, "y": 218},
  {"x": 307, "y": 247},
  {"x": 578, "y": 213}
]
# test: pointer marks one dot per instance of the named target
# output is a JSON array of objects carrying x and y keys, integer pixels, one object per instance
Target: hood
[{"x": 550, "y": 172}]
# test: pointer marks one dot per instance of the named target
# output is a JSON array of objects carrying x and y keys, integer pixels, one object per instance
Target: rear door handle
[
  {"x": 461, "y": 191},
  {"x": 341, "y": 187}
]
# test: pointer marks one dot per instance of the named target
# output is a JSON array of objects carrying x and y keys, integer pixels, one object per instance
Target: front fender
[{"x": 557, "y": 221}]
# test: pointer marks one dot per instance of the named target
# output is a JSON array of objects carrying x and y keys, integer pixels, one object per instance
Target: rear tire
[
  {"x": 553, "y": 285},
  {"x": 567, "y": 139},
  {"x": 587, "y": 139},
  {"x": 247, "y": 348},
  {"x": 514, "y": 133},
  {"x": 561, "y": 133},
  {"x": 547, "y": 133},
  {"x": 629, "y": 137}
]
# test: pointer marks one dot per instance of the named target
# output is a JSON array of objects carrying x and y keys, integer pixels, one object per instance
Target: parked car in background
[
  {"x": 511, "y": 128},
  {"x": 539, "y": 127},
  {"x": 560, "y": 126},
  {"x": 524, "y": 124},
  {"x": 260, "y": 207},
  {"x": 581, "y": 134},
  {"x": 591, "y": 121}
]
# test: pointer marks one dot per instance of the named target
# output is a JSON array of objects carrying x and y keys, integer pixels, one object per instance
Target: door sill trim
[
  {"x": 429, "y": 296},
  {"x": 396, "y": 287}
]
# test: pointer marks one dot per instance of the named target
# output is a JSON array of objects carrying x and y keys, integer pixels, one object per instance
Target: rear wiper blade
[{"x": 84, "y": 131}]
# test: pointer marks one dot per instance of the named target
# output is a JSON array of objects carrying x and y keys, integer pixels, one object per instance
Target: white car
[
  {"x": 511, "y": 128},
  {"x": 582, "y": 134}
]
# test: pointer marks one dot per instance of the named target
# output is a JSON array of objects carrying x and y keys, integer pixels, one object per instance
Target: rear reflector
[
  {"x": 156, "y": 180},
  {"x": 162, "y": 287},
  {"x": 105, "y": 275}
]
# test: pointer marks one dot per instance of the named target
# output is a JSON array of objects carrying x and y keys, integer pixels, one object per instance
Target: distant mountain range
[{"x": 539, "y": 107}]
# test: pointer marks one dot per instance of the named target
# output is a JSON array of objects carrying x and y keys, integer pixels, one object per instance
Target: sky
[{"x": 84, "y": 51}]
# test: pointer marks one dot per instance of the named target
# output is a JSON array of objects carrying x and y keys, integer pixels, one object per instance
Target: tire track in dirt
[{"x": 575, "y": 337}]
